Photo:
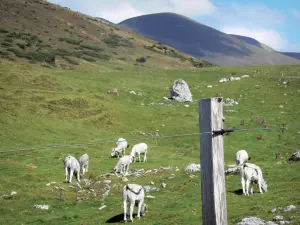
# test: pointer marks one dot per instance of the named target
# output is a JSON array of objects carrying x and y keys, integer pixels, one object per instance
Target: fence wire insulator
[{"x": 222, "y": 131}]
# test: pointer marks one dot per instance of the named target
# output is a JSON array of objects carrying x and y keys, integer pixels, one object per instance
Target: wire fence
[{"x": 281, "y": 128}]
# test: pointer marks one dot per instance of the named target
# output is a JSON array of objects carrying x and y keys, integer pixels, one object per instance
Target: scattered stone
[
  {"x": 244, "y": 76},
  {"x": 107, "y": 181},
  {"x": 41, "y": 206},
  {"x": 192, "y": 168},
  {"x": 102, "y": 207},
  {"x": 230, "y": 110},
  {"x": 181, "y": 92},
  {"x": 124, "y": 179},
  {"x": 186, "y": 106},
  {"x": 165, "y": 98},
  {"x": 209, "y": 86},
  {"x": 172, "y": 176},
  {"x": 13, "y": 193},
  {"x": 155, "y": 189},
  {"x": 289, "y": 208},
  {"x": 132, "y": 92},
  {"x": 151, "y": 182},
  {"x": 278, "y": 218},
  {"x": 223, "y": 80},
  {"x": 149, "y": 196},
  {"x": 254, "y": 221},
  {"x": 164, "y": 185},
  {"x": 140, "y": 94},
  {"x": 295, "y": 156},
  {"x": 87, "y": 182},
  {"x": 281, "y": 106},
  {"x": 48, "y": 184},
  {"x": 273, "y": 210},
  {"x": 229, "y": 102},
  {"x": 113, "y": 91},
  {"x": 165, "y": 167},
  {"x": 284, "y": 82},
  {"x": 192, "y": 176},
  {"x": 148, "y": 171},
  {"x": 147, "y": 188}
]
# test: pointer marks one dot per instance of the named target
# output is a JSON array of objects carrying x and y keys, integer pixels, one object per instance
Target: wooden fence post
[{"x": 214, "y": 211}]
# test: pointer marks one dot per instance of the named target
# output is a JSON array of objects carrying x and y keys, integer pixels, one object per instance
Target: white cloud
[
  {"x": 119, "y": 10},
  {"x": 296, "y": 13},
  {"x": 249, "y": 14},
  {"x": 266, "y": 36}
]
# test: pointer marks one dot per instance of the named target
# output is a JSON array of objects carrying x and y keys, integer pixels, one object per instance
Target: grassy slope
[
  {"x": 41, "y": 106},
  {"x": 46, "y": 33}
]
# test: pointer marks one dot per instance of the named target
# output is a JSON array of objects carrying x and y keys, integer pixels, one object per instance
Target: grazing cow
[
  {"x": 121, "y": 146},
  {"x": 71, "y": 166},
  {"x": 139, "y": 149},
  {"x": 123, "y": 165},
  {"x": 84, "y": 163},
  {"x": 242, "y": 157},
  {"x": 135, "y": 194},
  {"x": 251, "y": 173}
]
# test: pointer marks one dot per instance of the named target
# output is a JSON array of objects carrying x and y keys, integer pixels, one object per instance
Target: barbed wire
[{"x": 147, "y": 138}]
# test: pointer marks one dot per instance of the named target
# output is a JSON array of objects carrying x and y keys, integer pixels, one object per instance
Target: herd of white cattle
[
  {"x": 250, "y": 173},
  {"x": 133, "y": 192}
]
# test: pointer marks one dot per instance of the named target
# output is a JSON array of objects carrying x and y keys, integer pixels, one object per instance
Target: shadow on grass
[
  {"x": 119, "y": 218},
  {"x": 238, "y": 192}
]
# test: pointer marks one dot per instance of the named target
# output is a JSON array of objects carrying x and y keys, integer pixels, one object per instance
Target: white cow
[
  {"x": 123, "y": 165},
  {"x": 121, "y": 146},
  {"x": 242, "y": 157},
  {"x": 139, "y": 149},
  {"x": 251, "y": 173},
  {"x": 71, "y": 166},
  {"x": 84, "y": 163},
  {"x": 135, "y": 194}
]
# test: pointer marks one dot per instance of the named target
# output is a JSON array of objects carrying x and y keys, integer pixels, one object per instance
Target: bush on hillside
[{"x": 141, "y": 59}]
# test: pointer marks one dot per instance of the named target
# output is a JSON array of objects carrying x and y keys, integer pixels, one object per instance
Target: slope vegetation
[
  {"x": 202, "y": 41},
  {"x": 41, "y": 32}
]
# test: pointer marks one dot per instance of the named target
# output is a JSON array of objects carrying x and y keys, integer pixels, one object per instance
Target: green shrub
[
  {"x": 96, "y": 55},
  {"x": 3, "y": 31},
  {"x": 8, "y": 39},
  {"x": 70, "y": 41},
  {"x": 62, "y": 52},
  {"x": 114, "y": 41},
  {"x": 89, "y": 59},
  {"x": 35, "y": 56},
  {"x": 91, "y": 47},
  {"x": 22, "y": 46},
  {"x": 6, "y": 44},
  {"x": 141, "y": 59},
  {"x": 71, "y": 61}
]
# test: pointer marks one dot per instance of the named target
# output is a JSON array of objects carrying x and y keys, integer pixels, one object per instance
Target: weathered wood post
[{"x": 214, "y": 211}]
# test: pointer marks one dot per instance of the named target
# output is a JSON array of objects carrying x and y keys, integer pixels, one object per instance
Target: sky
[{"x": 273, "y": 22}]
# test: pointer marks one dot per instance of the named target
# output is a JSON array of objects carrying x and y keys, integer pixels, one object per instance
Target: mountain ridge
[{"x": 202, "y": 41}]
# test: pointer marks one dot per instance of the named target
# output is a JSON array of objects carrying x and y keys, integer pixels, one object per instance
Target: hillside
[
  {"x": 295, "y": 55},
  {"x": 252, "y": 41},
  {"x": 202, "y": 41},
  {"x": 41, "y": 32},
  {"x": 53, "y": 107}
]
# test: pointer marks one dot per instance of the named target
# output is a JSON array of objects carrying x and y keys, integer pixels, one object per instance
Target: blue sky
[{"x": 272, "y": 22}]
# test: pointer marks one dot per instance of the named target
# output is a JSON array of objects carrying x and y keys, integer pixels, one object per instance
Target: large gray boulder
[
  {"x": 181, "y": 91},
  {"x": 295, "y": 156}
]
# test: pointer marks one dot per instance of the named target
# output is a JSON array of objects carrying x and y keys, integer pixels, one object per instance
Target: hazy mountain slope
[
  {"x": 252, "y": 41},
  {"x": 295, "y": 55},
  {"x": 41, "y": 32},
  {"x": 202, "y": 41}
]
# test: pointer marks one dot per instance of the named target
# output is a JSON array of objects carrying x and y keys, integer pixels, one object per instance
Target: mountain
[
  {"x": 37, "y": 31},
  {"x": 202, "y": 41},
  {"x": 295, "y": 55},
  {"x": 252, "y": 41}
]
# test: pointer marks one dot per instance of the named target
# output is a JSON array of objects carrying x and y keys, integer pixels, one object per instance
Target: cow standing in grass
[{"x": 72, "y": 166}]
